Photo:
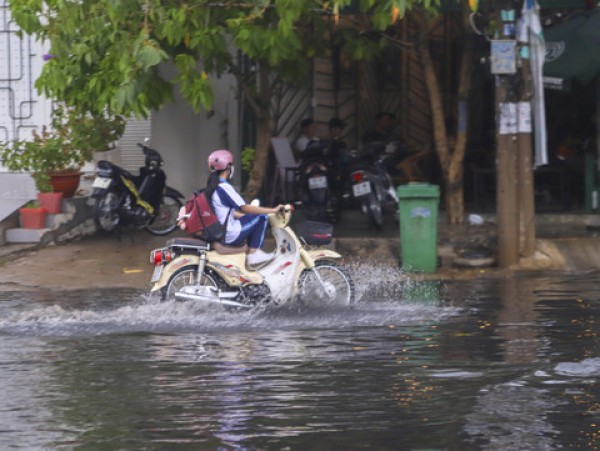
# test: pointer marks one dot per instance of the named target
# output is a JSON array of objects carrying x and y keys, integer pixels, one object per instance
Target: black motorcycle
[
  {"x": 142, "y": 200},
  {"x": 372, "y": 185},
  {"x": 317, "y": 176}
]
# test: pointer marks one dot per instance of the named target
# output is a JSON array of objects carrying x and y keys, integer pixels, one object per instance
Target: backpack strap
[
  {"x": 225, "y": 226},
  {"x": 226, "y": 219}
]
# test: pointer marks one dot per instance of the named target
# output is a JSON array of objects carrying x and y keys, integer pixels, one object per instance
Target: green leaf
[{"x": 148, "y": 55}]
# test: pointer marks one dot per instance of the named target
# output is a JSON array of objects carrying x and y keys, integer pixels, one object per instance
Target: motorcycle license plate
[
  {"x": 101, "y": 182},
  {"x": 360, "y": 189},
  {"x": 317, "y": 182},
  {"x": 157, "y": 273}
]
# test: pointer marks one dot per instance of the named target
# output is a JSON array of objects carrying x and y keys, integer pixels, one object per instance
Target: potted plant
[
  {"x": 55, "y": 155},
  {"x": 33, "y": 216},
  {"x": 51, "y": 201}
]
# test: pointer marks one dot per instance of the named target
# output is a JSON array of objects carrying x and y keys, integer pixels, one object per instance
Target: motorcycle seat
[
  {"x": 226, "y": 249},
  {"x": 186, "y": 242},
  {"x": 195, "y": 243}
]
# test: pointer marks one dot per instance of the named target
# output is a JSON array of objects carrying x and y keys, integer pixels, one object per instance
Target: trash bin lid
[{"x": 421, "y": 190}]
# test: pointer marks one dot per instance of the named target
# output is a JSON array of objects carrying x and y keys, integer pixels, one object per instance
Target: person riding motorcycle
[{"x": 244, "y": 223}]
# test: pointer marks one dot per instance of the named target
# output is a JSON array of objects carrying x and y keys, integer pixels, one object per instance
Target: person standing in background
[{"x": 307, "y": 135}]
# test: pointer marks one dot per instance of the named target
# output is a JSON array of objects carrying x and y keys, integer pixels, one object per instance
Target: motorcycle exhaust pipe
[{"x": 205, "y": 294}]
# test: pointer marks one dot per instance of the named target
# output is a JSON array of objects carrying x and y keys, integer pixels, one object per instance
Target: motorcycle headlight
[{"x": 104, "y": 172}]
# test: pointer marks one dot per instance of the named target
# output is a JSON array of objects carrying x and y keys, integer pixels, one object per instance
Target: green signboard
[{"x": 488, "y": 5}]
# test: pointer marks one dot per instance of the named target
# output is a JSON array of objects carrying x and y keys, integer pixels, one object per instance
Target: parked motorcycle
[
  {"x": 372, "y": 185},
  {"x": 142, "y": 200},
  {"x": 320, "y": 198},
  {"x": 213, "y": 273}
]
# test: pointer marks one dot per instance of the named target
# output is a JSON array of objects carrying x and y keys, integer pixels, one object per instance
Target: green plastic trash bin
[{"x": 418, "y": 226}]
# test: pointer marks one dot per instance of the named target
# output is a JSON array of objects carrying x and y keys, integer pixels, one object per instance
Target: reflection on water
[{"x": 496, "y": 364}]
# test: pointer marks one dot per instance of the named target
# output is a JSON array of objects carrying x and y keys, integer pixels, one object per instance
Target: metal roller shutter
[{"x": 136, "y": 131}]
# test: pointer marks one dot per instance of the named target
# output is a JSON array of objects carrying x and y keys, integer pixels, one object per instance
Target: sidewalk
[{"x": 121, "y": 260}]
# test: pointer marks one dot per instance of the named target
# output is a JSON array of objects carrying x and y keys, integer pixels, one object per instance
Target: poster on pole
[
  {"x": 524, "y": 125},
  {"x": 504, "y": 56},
  {"x": 508, "y": 118}
]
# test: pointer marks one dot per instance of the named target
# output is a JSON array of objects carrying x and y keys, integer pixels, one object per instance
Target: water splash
[
  {"x": 585, "y": 368},
  {"x": 385, "y": 296},
  {"x": 385, "y": 283},
  {"x": 149, "y": 315}
]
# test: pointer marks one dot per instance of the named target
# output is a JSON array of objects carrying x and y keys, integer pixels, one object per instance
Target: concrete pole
[
  {"x": 507, "y": 185},
  {"x": 507, "y": 149},
  {"x": 525, "y": 164}
]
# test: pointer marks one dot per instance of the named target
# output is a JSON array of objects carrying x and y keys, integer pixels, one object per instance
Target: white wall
[
  {"x": 185, "y": 138},
  {"x": 22, "y": 110}
]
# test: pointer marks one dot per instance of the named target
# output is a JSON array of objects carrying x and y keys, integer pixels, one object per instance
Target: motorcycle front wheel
[
  {"x": 329, "y": 284},
  {"x": 187, "y": 276},
  {"x": 106, "y": 212},
  {"x": 165, "y": 220}
]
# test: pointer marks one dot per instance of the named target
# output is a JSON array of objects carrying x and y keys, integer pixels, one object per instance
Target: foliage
[
  {"x": 105, "y": 53},
  {"x": 248, "y": 155},
  {"x": 32, "y": 204},
  {"x": 65, "y": 146}
]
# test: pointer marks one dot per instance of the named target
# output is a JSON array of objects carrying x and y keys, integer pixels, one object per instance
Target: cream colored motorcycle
[{"x": 213, "y": 273}]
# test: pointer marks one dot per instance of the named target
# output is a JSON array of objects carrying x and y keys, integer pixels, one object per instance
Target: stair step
[
  {"x": 20, "y": 235},
  {"x": 76, "y": 212}
]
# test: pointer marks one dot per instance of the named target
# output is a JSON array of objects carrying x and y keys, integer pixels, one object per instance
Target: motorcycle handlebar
[
  {"x": 284, "y": 209},
  {"x": 147, "y": 149},
  {"x": 152, "y": 154}
]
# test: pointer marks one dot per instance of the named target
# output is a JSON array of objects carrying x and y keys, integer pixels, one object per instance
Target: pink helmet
[{"x": 219, "y": 160}]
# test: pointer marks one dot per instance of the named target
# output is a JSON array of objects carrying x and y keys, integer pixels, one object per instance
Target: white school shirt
[
  {"x": 225, "y": 201},
  {"x": 302, "y": 143}
]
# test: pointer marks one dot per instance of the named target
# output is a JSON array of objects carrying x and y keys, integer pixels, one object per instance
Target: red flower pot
[
  {"x": 33, "y": 218},
  {"x": 51, "y": 202},
  {"x": 65, "y": 182}
]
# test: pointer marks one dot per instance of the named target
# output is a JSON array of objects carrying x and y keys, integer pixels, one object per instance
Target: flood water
[{"x": 490, "y": 364}]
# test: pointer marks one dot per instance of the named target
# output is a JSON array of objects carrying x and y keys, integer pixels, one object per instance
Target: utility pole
[
  {"x": 507, "y": 186},
  {"x": 525, "y": 163},
  {"x": 507, "y": 149}
]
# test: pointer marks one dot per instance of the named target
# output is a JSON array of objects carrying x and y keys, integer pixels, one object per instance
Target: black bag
[{"x": 315, "y": 233}]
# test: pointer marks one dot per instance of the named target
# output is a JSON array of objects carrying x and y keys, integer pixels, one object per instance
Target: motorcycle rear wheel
[
  {"x": 187, "y": 276},
  {"x": 337, "y": 290},
  {"x": 334, "y": 209},
  {"x": 165, "y": 220},
  {"x": 374, "y": 211},
  {"x": 106, "y": 212}
]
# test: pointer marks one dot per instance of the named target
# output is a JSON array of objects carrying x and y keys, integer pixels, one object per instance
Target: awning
[{"x": 572, "y": 51}]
